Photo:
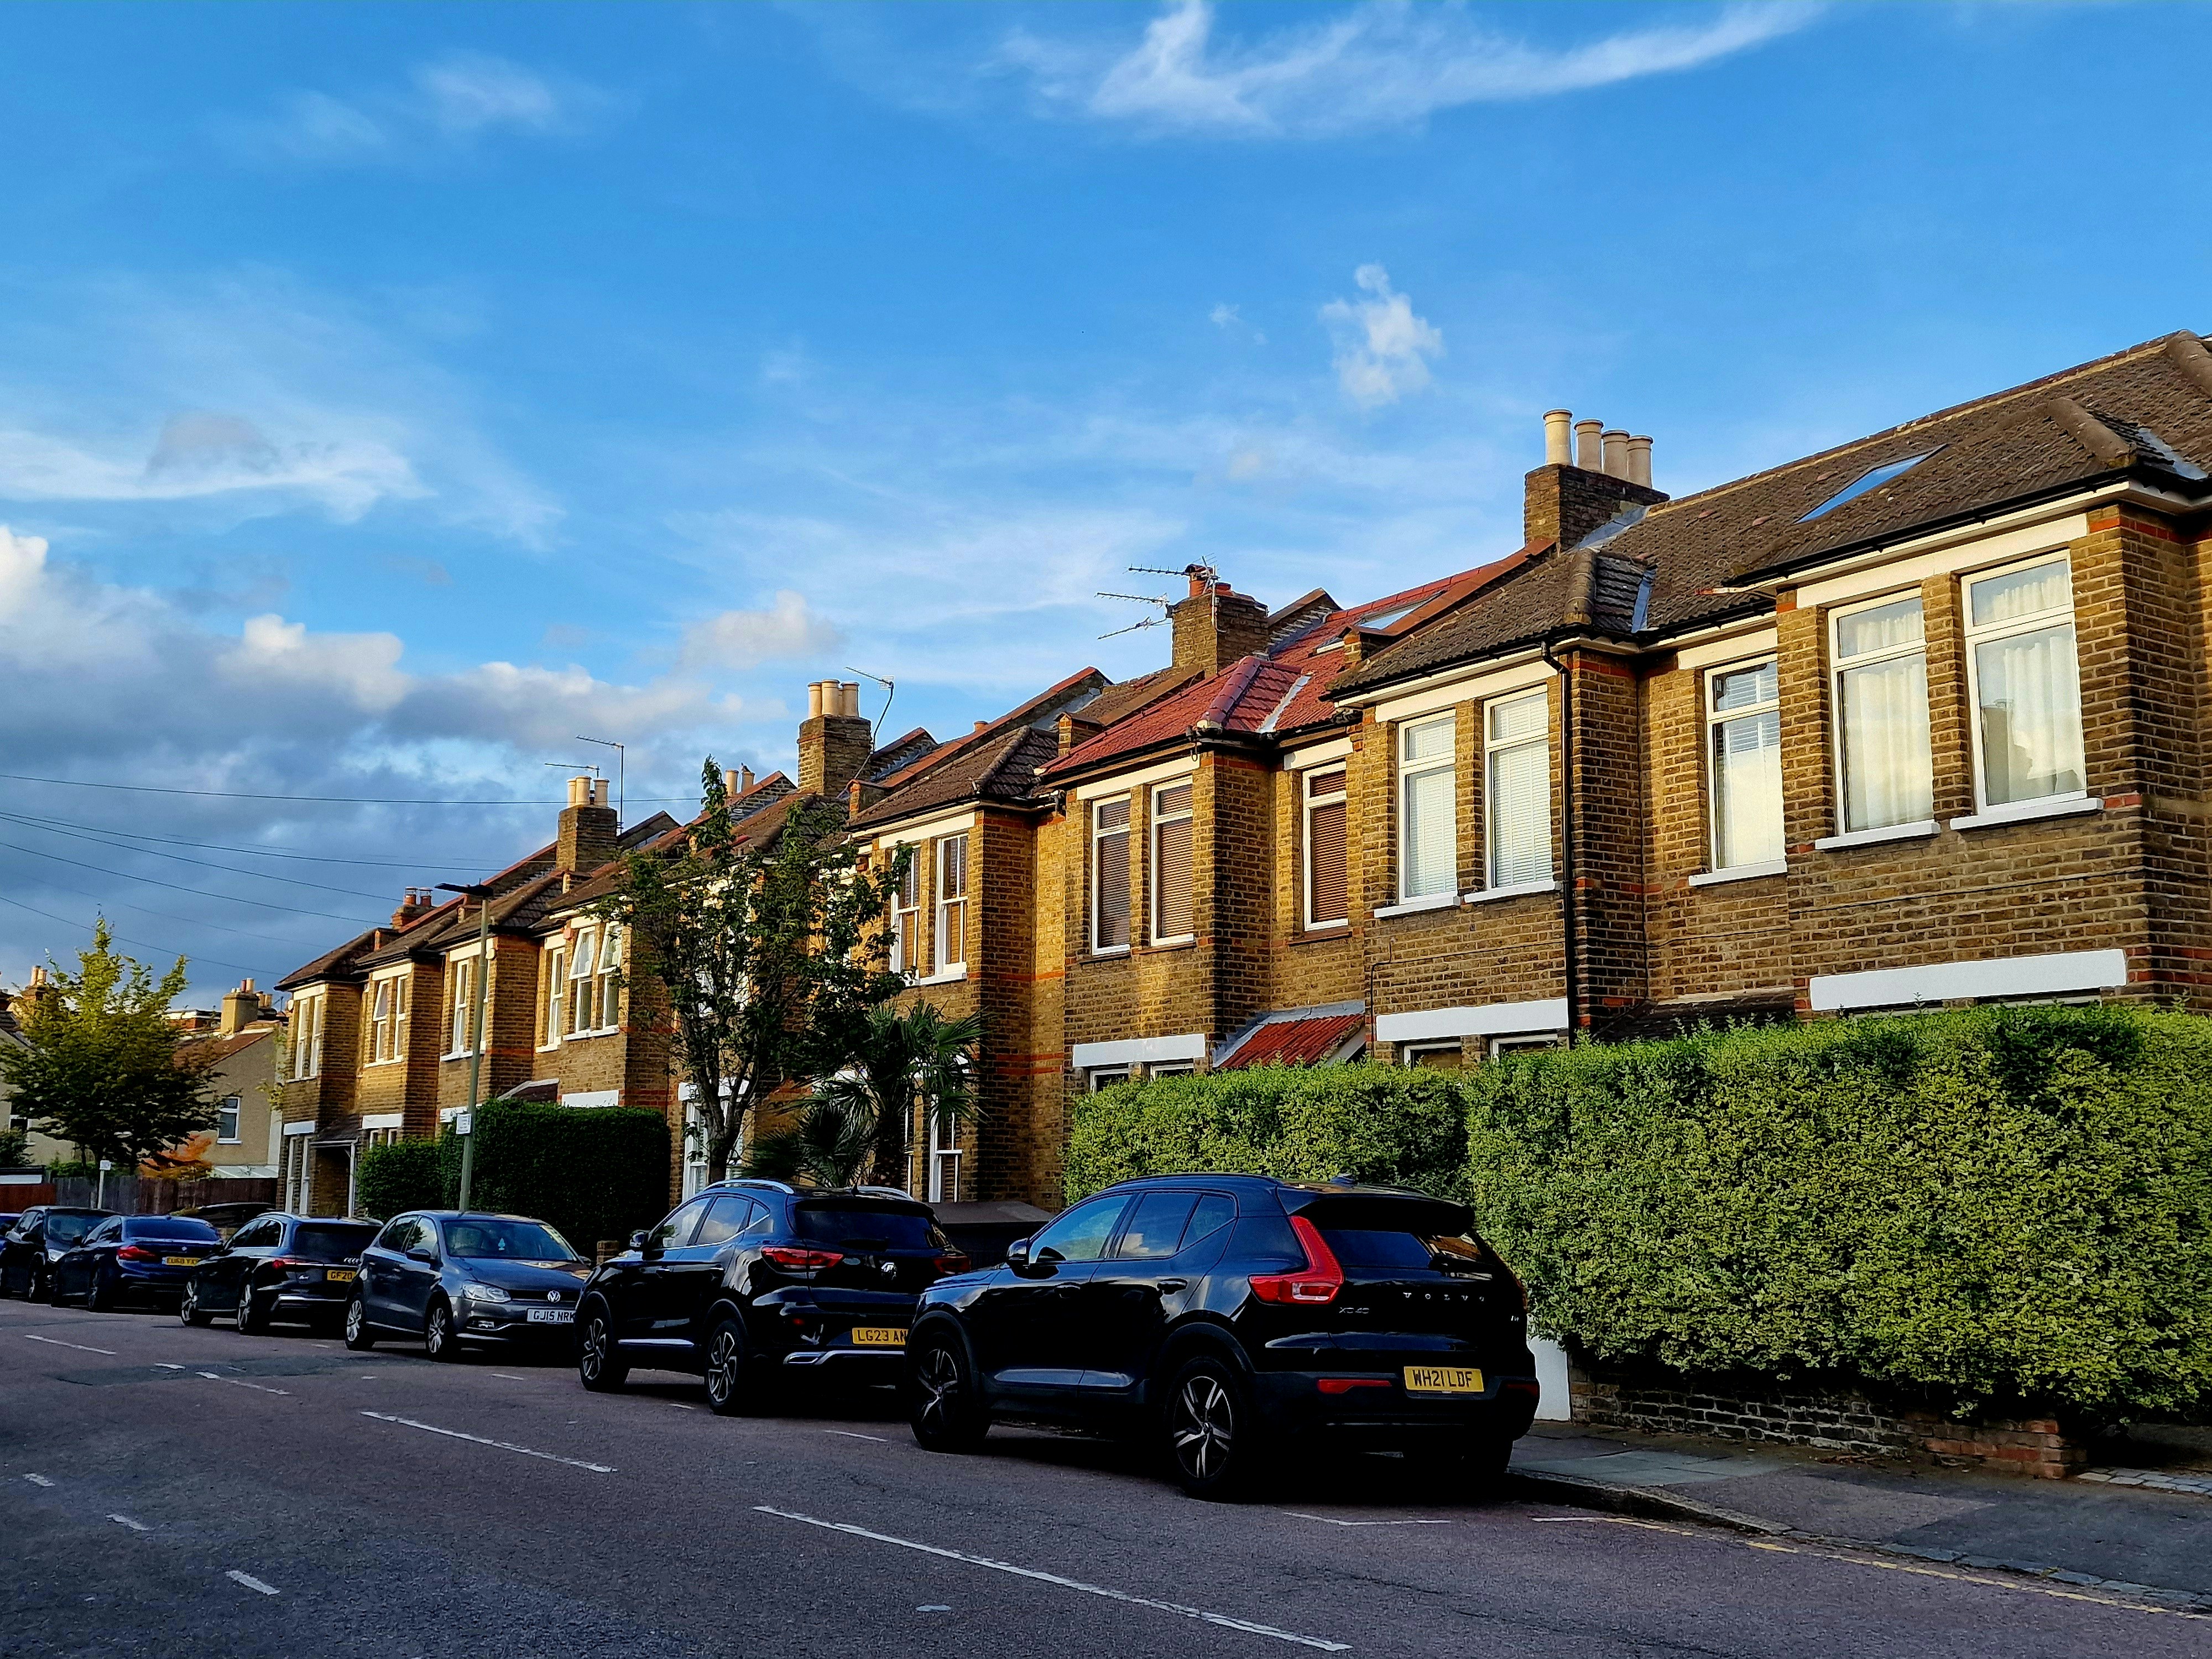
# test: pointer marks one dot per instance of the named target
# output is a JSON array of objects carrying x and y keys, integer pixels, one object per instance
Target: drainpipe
[{"x": 1569, "y": 921}]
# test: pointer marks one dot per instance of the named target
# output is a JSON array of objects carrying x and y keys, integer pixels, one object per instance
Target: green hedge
[
  {"x": 1382, "y": 1123},
  {"x": 601, "y": 1172}
]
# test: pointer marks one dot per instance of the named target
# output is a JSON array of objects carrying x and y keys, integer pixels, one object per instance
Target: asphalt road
[{"x": 180, "y": 1493}]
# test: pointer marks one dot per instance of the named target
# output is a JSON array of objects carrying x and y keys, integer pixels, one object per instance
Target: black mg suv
[
  {"x": 754, "y": 1280},
  {"x": 1231, "y": 1316}
]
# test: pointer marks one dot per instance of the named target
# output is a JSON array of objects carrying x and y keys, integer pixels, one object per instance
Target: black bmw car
[
  {"x": 42, "y": 1235},
  {"x": 1233, "y": 1317},
  {"x": 142, "y": 1259},
  {"x": 450, "y": 1277}
]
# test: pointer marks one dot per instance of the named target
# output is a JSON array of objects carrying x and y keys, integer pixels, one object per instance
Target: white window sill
[
  {"x": 1431, "y": 902},
  {"x": 1328, "y": 926},
  {"x": 370, "y": 1065},
  {"x": 1518, "y": 890},
  {"x": 2027, "y": 811},
  {"x": 1109, "y": 950},
  {"x": 949, "y": 976},
  {"x": 1180, "y": 939},
  {"x": 1741, "y": 872},
  {"x": 235, "y": 1140},
  {"x": 1875, "y": 837}
]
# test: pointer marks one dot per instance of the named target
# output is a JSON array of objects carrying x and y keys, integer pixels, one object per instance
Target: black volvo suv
[
  {"x": 1230, "y": 1315},
  {"x": 754, "y": 1279}
]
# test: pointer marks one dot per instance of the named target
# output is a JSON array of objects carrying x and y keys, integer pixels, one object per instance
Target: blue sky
[{"x": 388, "y": 394}]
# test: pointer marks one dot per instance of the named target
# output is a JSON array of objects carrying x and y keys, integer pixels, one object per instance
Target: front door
[
  {"x": 233, "y": 1276},
  {"x": 1024, "y": 1321},
  {"x": 414, "y": 1281},
  {"x": 379, "y": 1270},
  {"x": 1143, "y": 1287},
  {"x": 653, "y": 1308}
]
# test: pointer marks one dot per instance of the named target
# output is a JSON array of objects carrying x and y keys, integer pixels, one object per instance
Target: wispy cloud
[
  {"x": 743, "y": 639},
  {"x": 1381, "y": 65},
  {"x": 1382, "y": 350},
  {"x": 459, "y": 99}
]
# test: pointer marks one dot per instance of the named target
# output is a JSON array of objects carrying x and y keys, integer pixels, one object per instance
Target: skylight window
[{"x": 1859, "y": 486}]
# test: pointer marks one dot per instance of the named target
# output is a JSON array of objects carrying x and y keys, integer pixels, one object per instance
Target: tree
[
  {"x": 98, "y": 1066},
  {"x": 767, "y": 949}
]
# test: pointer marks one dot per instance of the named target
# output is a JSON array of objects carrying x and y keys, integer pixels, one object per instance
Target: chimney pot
[
  {"x": 1559, "y": 440},
  {"x": 731, "y": 786},
  {"x": 980, "y": 725},
  {"x": 814, "y": 701},
  {"x": 1640, "y": 461},
  {"x": 1616, "y": 453},
  {"x": 744, "y": 779},
  {"x": 852, "y": 699},
  {"x": 1590, "y": 447}
]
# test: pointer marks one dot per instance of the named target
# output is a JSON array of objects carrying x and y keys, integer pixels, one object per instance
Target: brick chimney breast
[
  {"x": 240, "y": 1008},
  {"x": 1217, "y": 627},
  {"x": 835, "y": 741},
  {"x": 1564, "y": 503},
  {"x": 589, "y": 832}
]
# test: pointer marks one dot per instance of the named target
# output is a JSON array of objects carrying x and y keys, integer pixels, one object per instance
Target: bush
[
  {"x": 1994, "y": 1206},
  {"x": 1390, "y": 1124},
  {"x": 402, "y": 1175},
  {"x": 594, "y": 1173}
]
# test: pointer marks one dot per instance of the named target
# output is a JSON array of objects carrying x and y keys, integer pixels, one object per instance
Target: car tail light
[
  {"x": 951, "y": 1261},
  {"x": 798, "y": 1261},
  {"x": 1315, "y": 1285},
  {"x": 137, "y": 1252},
  {"x": 1347, "y": 1384},
  {"x": 292, "y": 1262}
]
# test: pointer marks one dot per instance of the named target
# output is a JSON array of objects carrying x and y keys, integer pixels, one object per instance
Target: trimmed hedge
[
  {"x": 1995, "y": 1207},
  {"x": 1382, "y": 1123},
  {"x": 594, "y": 1173}
]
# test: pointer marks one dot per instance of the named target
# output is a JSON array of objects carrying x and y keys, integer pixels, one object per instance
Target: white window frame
[
  {"x": 1409, "y": 770},
  {"x": 234, "y": 1108},
  {"x": 1342, "y": 793},
  {"x": 398, "y": 988},
  {"x": 1506, "y": 1045},
  {"x": 612, "y": 939},
  {"x": 1157, "y": 818},
  {"x": 944, "y": 1160},
  {"x": 1409, "y": 1054},
  {"x": 1099, "y": 806},
  {"x": 1975, "y": 636},
  {"x": 1837, "y": 667},
  {"x": 307, "y": 1035},
  {"x": 554, "y": 1005},
  {"x": 906, "y": 916},
  {"x": 582, "y": 949},
  {"x": 1492, "y": 747},
  {"x": 1172, "y": 1068},
  {"x": 462, "y": 969},
  {"x": 1713, "y": 676},
  {"x": 950, "y": 944},
  {"x": 1099, "y": 1078}
]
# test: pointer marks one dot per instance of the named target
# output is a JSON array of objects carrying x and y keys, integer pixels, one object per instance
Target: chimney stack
[
  {"x": 240, "y": 1008},
  {"x": 419, "y": 902},
  {"x": 588, "y": 835},
  {"x": 1216, "y": 625},
  {"x": 1611, "y": 471},
  {"x": 1590, "y": 446},
  {"x": 834, "y": 741}
]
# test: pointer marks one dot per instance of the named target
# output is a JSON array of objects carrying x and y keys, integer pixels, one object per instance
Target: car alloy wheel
[
  {"x": 358, "y": 1336},
  {"x": 188, "y": 1311},
  {"x": 599, "y": 1366},
  {"x": 1210, "y": 1429},
  {"x": 248, "y": 1320},
  {"x": 98, "y": 1294},
  {"x": 42, "y": 1288},
  {"x": 943, "y": 1407},
  {"x": 440, "y": 1339},
  {"x": 726, "y": 1370}
]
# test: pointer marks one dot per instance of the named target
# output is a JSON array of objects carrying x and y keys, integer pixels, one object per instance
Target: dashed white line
[
  {"x": 163, "y": 1365},
  {"x": 213, "y": 1376},
  {"x": 681, "y": 1406},
  {"x": 38, "y": 1479},
  {"x": 502, "y": 1445},
  {"x": 55, "y": 1342},
  {"x": 511, "y": 1379},
  {"x": 125, "y": 1520},
  {"x": 850, "y": 1435},
  {"x": 1332, "y": 1521},
  {"x": 250, "y": 1582},
  {"x": 1221, "y": 1618}
]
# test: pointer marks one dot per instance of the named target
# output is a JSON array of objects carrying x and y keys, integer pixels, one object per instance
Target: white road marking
[
  {"x": 681, "y": 1406},
  {"x": 125, "y": 1520},
  {"x": 478, "y": 1439},
  {"x": 250, "y": 1582},
  {"x": 1332, "y": 1521},
  {"x": 38, "y": 1479},
  {"x": 55, "y": 1342},
  {"x": 934, "y": 1607},
  {"x": 215, "y": 1378},
  {"x": 1222, "y": 1619},
  {"x": 163, "y": 1365},
  {"x": 511, "y": 1379},
  {"x": 850, "y": 1435}
]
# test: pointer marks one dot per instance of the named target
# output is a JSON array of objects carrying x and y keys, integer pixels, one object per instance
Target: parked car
[
  {"x": 278, "y": 1266},
  {"x": 133, "y": 1258},
  {"x": 228, "y": 1217},
  {"x": 754, "y": 1279},
  {"x": 40, "y": 1237},
  {"x": 1230, "y": 1316},
  {"x": 447, "y": 1278},
  {"x": 8, "y": 1218}
]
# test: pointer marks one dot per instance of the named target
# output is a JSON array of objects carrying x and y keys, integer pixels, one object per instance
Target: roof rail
[
  {"x": 753, "y": 1181},
  {"x": 885, "y": 1191}
]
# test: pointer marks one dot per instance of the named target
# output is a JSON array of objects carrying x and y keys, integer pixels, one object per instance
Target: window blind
[
  {"x": 1109, "y": 880},
  {"x": 1172, "y": 916},
  {"x": 951, "y": 901},
  {"x": 1328, "y": 881},
  {"x": 1517, "y": 777},
  {"x": 1428, "y": 847}
]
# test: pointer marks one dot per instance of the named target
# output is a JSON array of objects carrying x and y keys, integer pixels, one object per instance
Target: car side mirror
[
  {"x": 643, "y": 1243},
  {"x": 418, "y": 1254},
  {"x": 1018, "y": 1255}
]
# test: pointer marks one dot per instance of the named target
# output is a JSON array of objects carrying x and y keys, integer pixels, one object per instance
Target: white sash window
[
  {"x": 2027, "y": 684},
  {"x": 1881, "y": 655}
]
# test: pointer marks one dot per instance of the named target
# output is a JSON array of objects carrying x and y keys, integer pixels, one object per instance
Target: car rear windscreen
[
  {"x": 66, "y": 1229},
  {"x": 322, "y": 1243},
  {"x": 180, "y": 1229},
  {"x": 867, "y": 1227}
]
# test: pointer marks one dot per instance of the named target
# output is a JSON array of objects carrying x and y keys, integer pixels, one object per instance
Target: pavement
[
  {"x": 2138, "y": 1531},
  {"x": 179, "y": 1492}
]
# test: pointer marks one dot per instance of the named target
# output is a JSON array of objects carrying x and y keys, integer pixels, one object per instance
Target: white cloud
[
  {"x": 1381, "y": 65},
  {"x": 740, "y": 639},
  {"x": 1231, "y": 320},
  {"x": 1382, "y": 348},
  {"x": 468, "y": 92},
  {"x": 455, "y": 100}
]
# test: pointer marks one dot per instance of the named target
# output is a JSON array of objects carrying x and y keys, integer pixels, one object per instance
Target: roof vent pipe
[
  {"x": 1640, "y": 461},
  {"x": 1590, "y": 454},
  {"x": 1616, "y": 453},
  {"x": 1558, "y": 444}
]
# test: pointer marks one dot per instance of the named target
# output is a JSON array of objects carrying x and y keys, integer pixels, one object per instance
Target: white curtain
[
  {"x": 2031, "y": 709},
  {"x": 1887, "y": 775},
  {"x": 1748, "y": 790}
]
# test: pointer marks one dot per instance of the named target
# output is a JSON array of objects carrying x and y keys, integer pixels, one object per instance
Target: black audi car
[
  {"x": 42, "y": 1235},
  {"x": 1234, "y": 1317},
  {"x": 278, "y": 1266},
  {"x": 454, "y": 1279},
  {"x": 753, "y": 1280}
]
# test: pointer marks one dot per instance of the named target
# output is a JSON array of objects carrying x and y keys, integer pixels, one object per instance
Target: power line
[
  {"x": 162, "y": 950},
  {"x": 336, "y": 800},
  {"x": 253, "y": 852},
  {"x": 105, "y": 900},
  {"x": 149, "y": 852},
  {"x": 265, "y": 904}
]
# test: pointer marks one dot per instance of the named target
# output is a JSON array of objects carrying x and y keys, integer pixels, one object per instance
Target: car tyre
[
  {"x": 945, "y": 1407},
  {"x": 1214, "y": 1442},
  {"x": 246, "y": 1318},
  {"x": 41, "y": 1287},
  {"x": 1478, "y": 1463},
  {"x": 189, "y": 1311},
  {"x": 441, "y": 1337},
  {"x": 732, "y": 1386},
  {"x": 98, "y": 1295},
  {"x": 599, "y": 1365},
  {"x": 358, "y": 1335}
]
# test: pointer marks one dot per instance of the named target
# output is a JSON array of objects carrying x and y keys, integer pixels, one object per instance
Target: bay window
[
  {"x": 1109, "y": 874},
  {"x": 387, "y": 1019},
  {"x": 1173, "y": 919},
  {"x": 1743, "y": 717},
  {"x": 584, "y": 984},
  {"x": 557, "y": 990},
  {"x": 1428, "y": 825},
  {"x": 2026, "y": 682},
  {"x": 1516, "y": 770},
  {"x": 951, "y": 902},
  {"x": 1328, "y": 885},
  {"x": 609, "y": 986},
  {"x": 1880, "y": 665}
]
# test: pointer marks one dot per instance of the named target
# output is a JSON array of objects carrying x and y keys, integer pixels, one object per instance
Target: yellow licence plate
[
  {"x": 1442, "y": 1379},
  {"x": 338, "y": 1275},
  {"x": 879, "y": 1336},
  {"x": 180, "y": 1262}
]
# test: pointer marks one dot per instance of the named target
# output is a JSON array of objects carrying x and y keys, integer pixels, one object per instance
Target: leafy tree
[
  {"x": 767, "y": 950},
  {"x": 99, "y": 1064},
  {"x": 826, "y": 1145},
  {"x": 15, "y": 1147}
]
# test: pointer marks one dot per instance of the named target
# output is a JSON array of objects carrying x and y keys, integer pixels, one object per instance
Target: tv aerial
[{"x": 1204, "y": 574}]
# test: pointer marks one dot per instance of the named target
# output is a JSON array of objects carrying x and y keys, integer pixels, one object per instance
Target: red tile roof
[{"x": 1294, "y": 1041}]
